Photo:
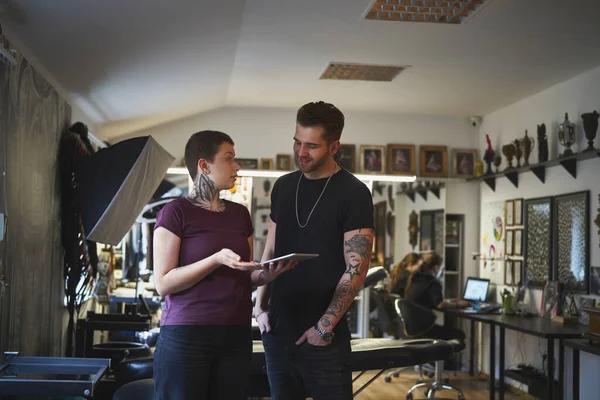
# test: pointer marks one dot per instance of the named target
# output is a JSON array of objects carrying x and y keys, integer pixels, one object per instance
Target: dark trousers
[
  {"x": 300, "y": 371},
  {"x": 202, "y": 362}
]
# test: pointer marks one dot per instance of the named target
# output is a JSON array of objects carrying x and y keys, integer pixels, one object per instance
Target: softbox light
[{"x": 116, "y": 183}]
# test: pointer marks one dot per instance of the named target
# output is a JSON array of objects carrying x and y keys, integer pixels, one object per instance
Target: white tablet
[{"x": 293, "y": 256}]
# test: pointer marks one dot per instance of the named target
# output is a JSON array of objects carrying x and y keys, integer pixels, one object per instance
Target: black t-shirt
[
  {"x": 426, "y": 292},
  {"x": 300, "y": 297},
  {"x": 425, "y": 289}
]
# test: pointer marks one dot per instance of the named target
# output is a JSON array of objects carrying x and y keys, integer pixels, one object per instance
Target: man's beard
[{"x": 313, "y": 166}]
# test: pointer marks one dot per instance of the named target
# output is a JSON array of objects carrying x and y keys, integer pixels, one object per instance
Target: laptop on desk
[
  {"x": 476, "y": 293},
  {"x": 476, "y": 290}
]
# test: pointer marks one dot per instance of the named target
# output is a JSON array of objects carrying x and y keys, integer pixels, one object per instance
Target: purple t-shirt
[{"x": 223, "y": 297}]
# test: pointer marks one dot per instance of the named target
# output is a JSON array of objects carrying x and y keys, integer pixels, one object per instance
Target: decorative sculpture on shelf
[
  {"x": 542, "y": 143},
  {"x": 566, "y": 135},
  {"x": 488, "y": 156},
  {"x": 590, "y": 126},
  {"x": 527, "y": 144},
  {"x": 497, "y": 162},
  {"x": 413, "y": 229},
  {"x": 518, "y": 151},
  {"x": 509, "y": 152}
]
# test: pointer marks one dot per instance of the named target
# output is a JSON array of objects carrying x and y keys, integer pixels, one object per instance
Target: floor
[{"x": 473, "y": 388}]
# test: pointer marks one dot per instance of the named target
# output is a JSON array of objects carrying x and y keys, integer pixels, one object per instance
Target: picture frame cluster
[
  {"x": 392, "y": 159},
  {"x": 403, "y": 159}
]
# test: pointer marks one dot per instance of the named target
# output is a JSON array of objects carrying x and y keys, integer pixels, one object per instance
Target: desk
[
  {"x": 535, "y": 326},
  {"x": 580, "y": 345}
]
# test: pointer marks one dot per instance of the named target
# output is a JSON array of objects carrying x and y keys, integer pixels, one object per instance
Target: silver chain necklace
[{"x": 317, "y": 202}]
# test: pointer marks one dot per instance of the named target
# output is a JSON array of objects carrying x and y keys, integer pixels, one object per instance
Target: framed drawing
[
  {"x": 538, "y": 240},
  {"x": 372, "y": 159},
  {"x": 346, "y": 157},
  {"x": 284, "y": 162},
  {"x": 509, "y": 213},
  {"x": 512, "y": 272},
  {"x": 518, "y": 212},
  {"x": 510, "y": 241},
  {"x": 518, "y": 242},
  {"x": 571, "y": 241},
  {"x": 463, "y": 162},
  {"x": 434, "y": 161},
  {"x": 266, "y": 163},
  {"x": 401, "y": 159},
  {"x": 247, "y": 163}
]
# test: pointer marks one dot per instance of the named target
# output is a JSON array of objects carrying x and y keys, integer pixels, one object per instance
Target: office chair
[
  {"x": 391, "y": 323},
  {"x": 404, "y": 309}
]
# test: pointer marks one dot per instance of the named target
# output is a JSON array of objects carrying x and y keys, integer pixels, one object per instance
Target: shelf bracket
[
  {"x": 540, "y": 172},
  {"x": 423, "y": 194},
  {"x": 570, "y": 165},
  {"x": 411, "y": 196},
  {"x": 491, "y": 182},
  {"x": 435, "y": 191},
  {"x": 513, "y": 177}
]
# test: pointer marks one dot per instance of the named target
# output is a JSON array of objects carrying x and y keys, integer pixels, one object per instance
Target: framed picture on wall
[
  {"x": 518, "y": 242},
  {"x": 401, "y": 159},
  {"x": 509, "y": 213},
  {"x": 372, "y": 159},
  {"x": 538, "y": 240},
  {"x": 510, "y": 241},
  {"x": 284, "y": 162},
  {"x": 434, "y": 161},
  {"x": 346, "y": 157},
  {"x": 463, "y": 162},
  {"x": 512, "y": 272},
  {"x": 571, "y": 240},
  {"x": 518, "y": 211},
  {"x": 247, "y": 163},
  {"x": 266, "y": 163}
]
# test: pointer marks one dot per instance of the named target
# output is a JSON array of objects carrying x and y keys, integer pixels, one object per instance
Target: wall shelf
[
  {"x": 422, "y": 190},
  {"x": 569, "y": 163}
]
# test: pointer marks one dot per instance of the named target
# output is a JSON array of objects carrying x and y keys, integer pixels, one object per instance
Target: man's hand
[
  {"x": 273, "y": 270},
  {"x": 262, "y": 319},
  {"x": 313, "y": 338}
]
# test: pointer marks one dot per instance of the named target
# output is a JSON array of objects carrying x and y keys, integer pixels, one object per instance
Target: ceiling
[{"x": 134, "y": 64}]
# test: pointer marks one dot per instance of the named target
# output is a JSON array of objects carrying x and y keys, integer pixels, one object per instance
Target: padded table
[{"x": 367, "y": 355}]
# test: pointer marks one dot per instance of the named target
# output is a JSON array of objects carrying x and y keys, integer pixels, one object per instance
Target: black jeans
[
  {"x": 300, "y": 371},
  {"x": 202, "y": 362}
]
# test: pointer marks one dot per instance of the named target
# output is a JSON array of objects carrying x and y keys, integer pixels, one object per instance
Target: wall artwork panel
[
  {"x": 538, "y": 240},
  {"x": 571, "y": 241},
  {"x": 492, "y": 246}
]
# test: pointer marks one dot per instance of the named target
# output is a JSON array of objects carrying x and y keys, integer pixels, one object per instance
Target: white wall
[
  {"x": 265, "y": 132},
  {"x": 405, "y": 206},
  {"x": 576, "y": 96},
  {"x": 463, "y": 198}
]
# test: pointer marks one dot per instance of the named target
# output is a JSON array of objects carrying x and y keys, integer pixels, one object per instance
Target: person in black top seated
[
  {"x": 423, "y": 289},
  {"x": 401, "y": 272}
]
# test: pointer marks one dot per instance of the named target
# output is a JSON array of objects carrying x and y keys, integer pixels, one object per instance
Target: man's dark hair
[
  {"x": 203, "y": 144},
  {"x": 324, "y": 115}
]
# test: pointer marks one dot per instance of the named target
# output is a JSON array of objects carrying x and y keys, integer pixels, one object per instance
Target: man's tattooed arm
[
  {"x": 206, "y": 194},
  {"x": 358, "y": 245}
]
